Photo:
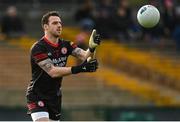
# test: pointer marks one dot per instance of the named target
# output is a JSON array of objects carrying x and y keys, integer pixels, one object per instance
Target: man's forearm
[
  {"x": 54, "y": 71},
  {"x": 60, "y": 71},
  {"x": 48, "y": 66},
  {"x": 81, "y": 54}
]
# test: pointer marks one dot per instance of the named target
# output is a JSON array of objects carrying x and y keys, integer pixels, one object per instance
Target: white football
[{"x": 148, "y": 16}]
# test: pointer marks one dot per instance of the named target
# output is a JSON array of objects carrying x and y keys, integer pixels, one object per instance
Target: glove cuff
[
  {"x": 75, "y": 70},
  {"x": 92, "y": 50}
]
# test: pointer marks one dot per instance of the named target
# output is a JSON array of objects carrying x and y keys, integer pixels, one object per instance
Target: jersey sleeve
[
  {"x": 72, "y": 46},
  {"x": 38, "y": 53}
]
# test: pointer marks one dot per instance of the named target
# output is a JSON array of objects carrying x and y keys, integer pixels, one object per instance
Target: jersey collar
[{"x": 50, "y": 43}]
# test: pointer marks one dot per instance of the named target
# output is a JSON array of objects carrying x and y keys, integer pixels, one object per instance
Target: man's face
[{"x": 54, "y": 26}]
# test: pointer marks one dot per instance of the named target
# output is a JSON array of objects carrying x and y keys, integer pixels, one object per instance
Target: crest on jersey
[
  {"x": 41, "y": 103},
  {"x": 64, "y": 50}
]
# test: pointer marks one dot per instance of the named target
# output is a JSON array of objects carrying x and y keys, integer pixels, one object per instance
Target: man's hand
[
  {"x": 94, "y": 40},
  {"x": 87, "y": 66}
]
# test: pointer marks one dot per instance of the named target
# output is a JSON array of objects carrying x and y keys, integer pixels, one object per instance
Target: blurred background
[{"x": 139, "y": 74}]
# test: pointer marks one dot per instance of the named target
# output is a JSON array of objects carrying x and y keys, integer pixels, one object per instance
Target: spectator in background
[
  {"x": 85, "y": 13},
  {"x": 176, "y": 33},
  {"x": 104, "y": 18},
  {"x": 153, "y": 36},
  {"x": 122, "y": 21},
  {"x": 83, "y": 37},
  {"x": 169, "y": 17},
  {"x": 11, "y": 24}
]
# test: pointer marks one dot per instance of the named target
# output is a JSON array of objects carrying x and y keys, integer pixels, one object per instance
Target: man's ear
[{"x": 45, "y": 26}]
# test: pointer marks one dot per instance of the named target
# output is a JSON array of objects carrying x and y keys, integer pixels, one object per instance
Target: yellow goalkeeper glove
[{"x": 94, "y": 40}]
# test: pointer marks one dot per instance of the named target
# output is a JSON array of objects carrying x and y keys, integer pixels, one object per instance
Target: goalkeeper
[{"x": 48, "y": 63}]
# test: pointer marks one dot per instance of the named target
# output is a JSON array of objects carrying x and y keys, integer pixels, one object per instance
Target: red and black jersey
[{"x": 43, "y": 86}]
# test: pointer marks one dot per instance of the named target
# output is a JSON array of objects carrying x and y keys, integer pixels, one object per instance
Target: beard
[{"x": 55, "y": 34}]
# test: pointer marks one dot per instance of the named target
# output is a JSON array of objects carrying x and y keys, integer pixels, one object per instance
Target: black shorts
[{"x": 53, "y": 107}]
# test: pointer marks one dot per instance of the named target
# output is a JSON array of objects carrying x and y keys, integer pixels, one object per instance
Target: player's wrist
[
  {"x": 92, "y": 50},
  {"x": 79, "y": 68},
  {"x": 75, "y": 69}
]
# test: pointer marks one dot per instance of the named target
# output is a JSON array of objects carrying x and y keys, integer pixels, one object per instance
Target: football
[{"x": 148, "y": 16}]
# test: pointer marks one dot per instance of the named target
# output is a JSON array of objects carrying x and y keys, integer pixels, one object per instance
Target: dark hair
[{"x": 45, "y": 18}]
